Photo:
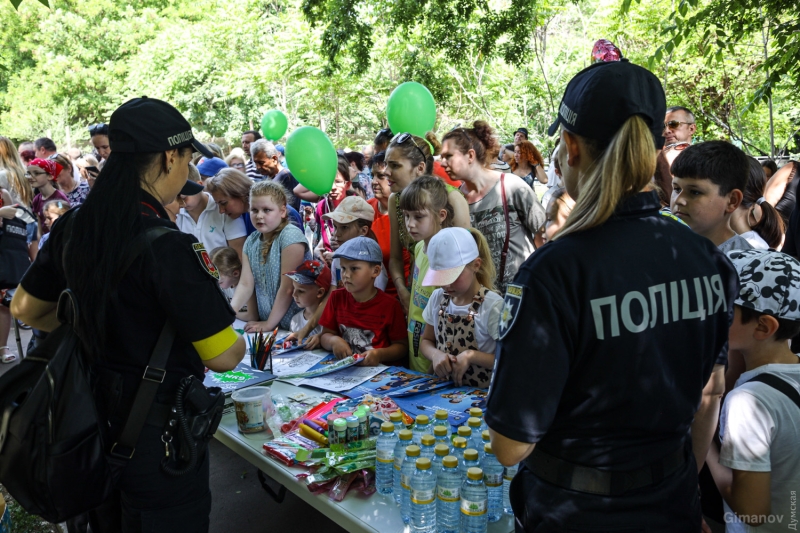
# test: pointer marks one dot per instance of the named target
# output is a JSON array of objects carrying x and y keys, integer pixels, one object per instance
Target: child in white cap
[
  {"x": 461, "y": 317},
  {"x": 757, "y": 469}
]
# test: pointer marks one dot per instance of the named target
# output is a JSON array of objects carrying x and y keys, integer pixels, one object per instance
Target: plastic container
[
  {"x": 509, "y": 474},
  {"x": 493, "y": 479},
  {"x": 340, "y": 430},
  {"x": 352, "y": 428},
  {"x": 403, "y": 441},
  {"x": 396, "y": 418},
  {"x": 406, "y": 471},
  {"x": 384, "y": 459},
  {"x": 474, "y": 503},
  {"x": 471, "y": 460},
  {"x": 440, "y": 451},
  {"x": 426, "y": 446},
  {"x": 477, "y": 412},
  {"x": 442, "y": 435},
  {"x": 458, "y": 449},
  {"x": 441, "y": 418},
  {"x": 421, "y": 427},
  {"x": 423, "y": 498},
  {"x": 472, "y": 441},
  {"x": 253, "y": 407},
  {"x": 448, "y": 496},
  {"x": 363, "y": 424}
]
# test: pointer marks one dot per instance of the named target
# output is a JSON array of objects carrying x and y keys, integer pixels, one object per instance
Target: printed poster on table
[
  {"x": 457, "y": 401},
  {"x": 394, "y": 378},
  {"x": 240, "y": 377},
  {"x": 339, "y": 375}
]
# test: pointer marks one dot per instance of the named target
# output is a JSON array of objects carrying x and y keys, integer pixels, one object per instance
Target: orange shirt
[
  {"x": 383, "y": 231},
  {"x": 440, "y": 172}
]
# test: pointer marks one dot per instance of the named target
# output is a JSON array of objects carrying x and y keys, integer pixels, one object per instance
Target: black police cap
[{"x": 601, "y": 97}]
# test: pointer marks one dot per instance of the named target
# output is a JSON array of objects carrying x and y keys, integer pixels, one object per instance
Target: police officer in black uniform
[
  {"x": 171, "y": 280},
  {"x": 610, "y": 331}
]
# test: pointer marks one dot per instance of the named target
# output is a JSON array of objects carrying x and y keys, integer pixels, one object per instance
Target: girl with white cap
[{"x": 462, "y": 316}]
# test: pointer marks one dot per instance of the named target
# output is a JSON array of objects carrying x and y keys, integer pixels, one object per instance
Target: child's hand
[
  {"x": 312, "y": 342},
  {"x": 255, "y": 327},
  {"x": 340, "y": 348},
  {"x": 327, "y": 257},
  {"x": 441, "y": 364},
  {"x": 460, "y": 365},
  {"x": 371, "y": 358}
]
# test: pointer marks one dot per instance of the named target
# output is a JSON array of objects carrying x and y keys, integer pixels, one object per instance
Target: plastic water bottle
[
  {"x": 421, "y": 427},
  {"x": 474, "y": 503},
  {"x": 441, "y": 418},
  {"x": 474, "y": 424},
  {"x": 426, "y": 446},
  {"x": 442, "y": 435},
  {"x": 396, "y": 418},
  {"x": 423, "y": 498},
  {"x": 472, "y": 441},
  {"x": 477, "y": 412},
  {"x": 407, "y": 470},
  {"x": 404, "y": 440},
  {"x": 509, "y": 474},
  {"x": 458, "y": 449},
  {"x": 440, "y": 451},
  {"x": 471, "y": 460},
  {"x": 448, "y": 497},
  {"x": 486, "y": 440},
  {"x": 493, "y": 478},
  {"x": 384, "y": 459}
]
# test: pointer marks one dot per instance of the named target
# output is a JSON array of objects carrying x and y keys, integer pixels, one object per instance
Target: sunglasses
[
  {"x": 674, "y": 124},
  {"x": 97, "y": 128},
  {"x": 403, "y": 137},
  {"x": 677, "y": 146}
]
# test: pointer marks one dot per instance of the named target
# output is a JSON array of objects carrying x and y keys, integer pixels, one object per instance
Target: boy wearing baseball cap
[
  {"x": 311, "y": 283},
  {"x": 757, "y": 469},
  {"x": 360, "y": 318}
]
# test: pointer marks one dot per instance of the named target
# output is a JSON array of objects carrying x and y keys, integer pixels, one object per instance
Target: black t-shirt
[
  {"x": 605, "y": 349},
  {"x": 169, "y": 283},
  {"x": 285, "y": 178}
]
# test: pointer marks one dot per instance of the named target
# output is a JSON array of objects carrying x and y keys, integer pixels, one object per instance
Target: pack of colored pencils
[{"x": 261, "y": 349}]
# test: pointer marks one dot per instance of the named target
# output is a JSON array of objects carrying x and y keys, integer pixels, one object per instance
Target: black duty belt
[{"x": 602, "y": 482}]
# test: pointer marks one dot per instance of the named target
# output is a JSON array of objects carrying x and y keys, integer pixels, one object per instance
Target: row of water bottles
[{"x": 442, "y": 485}]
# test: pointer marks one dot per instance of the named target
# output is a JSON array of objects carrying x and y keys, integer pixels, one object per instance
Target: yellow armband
[{"x": 216, "y": 344}]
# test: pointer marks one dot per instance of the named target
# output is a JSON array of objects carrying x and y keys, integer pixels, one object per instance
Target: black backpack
[
  {"x": 55, "y": 456},
  {"x": 14, "y": 258}
]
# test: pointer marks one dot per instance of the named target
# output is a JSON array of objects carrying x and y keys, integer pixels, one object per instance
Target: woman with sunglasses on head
[
  {"x": 407, "y": 158},
  {"x": 99, "y": 138},
  {"x": 501, "y": 206}
]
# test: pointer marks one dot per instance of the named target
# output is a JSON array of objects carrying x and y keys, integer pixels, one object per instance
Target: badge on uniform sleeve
[
  {"x": 205, "y": 260},
  {"x": 511, "y": 306}
]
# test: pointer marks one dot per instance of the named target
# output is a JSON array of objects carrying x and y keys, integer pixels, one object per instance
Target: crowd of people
[{"x": 440, "y": 255}]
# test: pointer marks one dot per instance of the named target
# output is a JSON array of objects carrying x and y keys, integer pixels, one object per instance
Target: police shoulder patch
[
  {"x": 511, "y": 306},
  {"x": 205, "y": 260}
]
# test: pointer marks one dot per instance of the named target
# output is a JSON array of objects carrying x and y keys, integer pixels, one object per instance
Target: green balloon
[
  {"x": 312, "y": 159},
  {"x": 274, "y": 124},
  {"x": 411, "y": 109}
]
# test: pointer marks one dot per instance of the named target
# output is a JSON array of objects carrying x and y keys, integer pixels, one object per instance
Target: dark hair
[
  {"x": 787, "y": 329},
  {"x": 110, "y": 215},
  {"x": 663, "y": 179},
  {"x": 355, "y": 188},
  {"x": 479, "y": 138},
  {"x": 98, "y": 129},
  {"x": 46, "y": 143},
  {"x": 378, "y": 159},
  {"x": 770, "y": 227},
  {"x": 718, "y": 161},
  {"x": 383, "y": 137},
  {"x": 770, "y": 164},
  {"x": 256, "y": 135},
  {"x": 344, "y": 168},
  {"x": 415, "y": 149},
  {"x": 357, "y": 158},
  {"x": 681, "y": 108}
]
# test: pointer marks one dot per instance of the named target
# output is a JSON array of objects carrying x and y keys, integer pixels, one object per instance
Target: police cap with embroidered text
[{"x": 601, "y": 97}]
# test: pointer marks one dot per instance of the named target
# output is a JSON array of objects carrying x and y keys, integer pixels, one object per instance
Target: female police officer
[
  {"x": 610, "y": 332},
  {"x": 151, "y": 146}
]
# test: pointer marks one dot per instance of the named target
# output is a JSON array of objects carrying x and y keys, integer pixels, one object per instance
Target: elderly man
[
  {"x": 248, "y": 138},
  {"x": 267, "y": 162},
  {"x": 679, "y": 126}
]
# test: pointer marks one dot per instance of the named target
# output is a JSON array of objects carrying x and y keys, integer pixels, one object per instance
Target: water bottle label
[
  {"x": 385, "y": 456},
  {"x": 398, "y": 462},
  {"x": 422, "y": 497},
  {"x": 493, "y": 480},
  {"x": 471, "y": 508},
  {"x": 405, "y": 481},
  {"x": 449, "y": 494}
]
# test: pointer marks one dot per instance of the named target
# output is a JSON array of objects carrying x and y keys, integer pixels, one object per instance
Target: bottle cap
[
  {"x": 352, "y": 422},
  {"x": 441, "y": 450},
  {"x": 475, "y": 473},
  {"x": 450, "y": 461},
  {"x": 460, "y": 442},
  {"x": 423, "y": 463},
  {"x": 387, "y": 427},
  {"x": 465, "y": 432},
  {"x": 423, "y": 419},
  {"x": 412, "y": 451},
  {"x": 485, "y": 435},
  {"x": 440, "y": 414},
  {"x": 340, "y": 424},
  {"x": 428, "y": 440},
  {"x": 471, "y": 455},
  {"x": 477, "y": 412},
  {"x": 396, "y": 416},
  {"x": 488, "y": 448},
  {"x": 474, "y": 422},
  {"x": 405, "y": 434},
  {"x": 361, "y": 415},
  {"x": 440, "y": 431}
]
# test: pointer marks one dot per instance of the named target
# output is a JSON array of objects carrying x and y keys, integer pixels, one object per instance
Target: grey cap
[{"x": 360, "y": 249}]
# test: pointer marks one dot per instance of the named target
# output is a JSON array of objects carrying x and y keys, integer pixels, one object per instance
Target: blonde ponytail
[
  {"x": 486, "y": 273},
  {"x": 624, "y": 168}
]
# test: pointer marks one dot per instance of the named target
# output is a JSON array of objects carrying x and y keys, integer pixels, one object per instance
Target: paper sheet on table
[
  {"x": 296, "y": 362},
  {"x": 393, "y": 379},
  {"x": 339, "y": 375},
  {"x": 238, "y": 378}
]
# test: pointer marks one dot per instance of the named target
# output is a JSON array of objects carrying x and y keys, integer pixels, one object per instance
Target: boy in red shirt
[{"x": 361, "y": 318}]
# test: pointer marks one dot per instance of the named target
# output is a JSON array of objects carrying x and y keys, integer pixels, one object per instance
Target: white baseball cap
[{"x": 449, "y": 251}]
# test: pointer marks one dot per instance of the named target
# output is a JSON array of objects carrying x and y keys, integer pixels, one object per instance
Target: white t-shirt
[
  {"x": 299, "y": 321},
  {"x": 336, "y": 276},
  {"x": 755, "y": 240},
  {"x": 760, "y": 432},
  {"x": 212, "y": 228},
  {"x": 486, "y": 320}
]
